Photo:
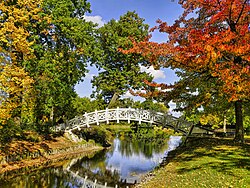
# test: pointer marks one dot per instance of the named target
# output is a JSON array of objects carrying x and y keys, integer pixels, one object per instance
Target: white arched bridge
[{"x": 125, "y": 114}]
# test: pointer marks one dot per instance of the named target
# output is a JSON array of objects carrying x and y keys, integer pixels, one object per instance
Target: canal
[{"x": 123, "y": 164}]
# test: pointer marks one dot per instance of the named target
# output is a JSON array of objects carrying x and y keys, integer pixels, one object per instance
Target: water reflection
[
  {"x": 126, "y": 161},
  {"x": 122, "y": 164},
  {"x": 49, "y": 178}
]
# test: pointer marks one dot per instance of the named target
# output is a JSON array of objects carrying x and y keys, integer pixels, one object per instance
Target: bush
[
  {"x": 32, "y": 136},
  {"x": 9, "y": 131},
  {"x": 98, "y": 134}
]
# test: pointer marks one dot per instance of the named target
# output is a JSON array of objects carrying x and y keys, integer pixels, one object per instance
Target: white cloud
[
  {"x": 95, "y": 19},
  {"x": 155, "y": 73}
]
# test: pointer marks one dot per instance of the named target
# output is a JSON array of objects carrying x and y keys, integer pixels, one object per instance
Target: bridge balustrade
[{"x": 124, "y": 114}]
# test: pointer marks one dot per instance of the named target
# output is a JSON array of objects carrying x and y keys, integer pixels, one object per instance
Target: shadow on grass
[{"x": 221, "y": 155}]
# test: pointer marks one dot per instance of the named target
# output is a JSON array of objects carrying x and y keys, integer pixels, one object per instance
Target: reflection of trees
[
  {"x": 126, "y": 148},
  {"x": 96, "y": 167},
  {"x": 56, "y": 177},
  {"x": 101, "y": 175},
  {"x": 97, "y": 161},
  {"x": 142, "y": 146},
  {"x": 131, "y": 147},
  {"x": 142, "y": 141}
]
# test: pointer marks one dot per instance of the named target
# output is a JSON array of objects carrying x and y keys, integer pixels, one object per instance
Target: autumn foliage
[
  {"x": 15, "y": 47},
  {"x": 217, "y": 41},
  {"x": 210, "y": 38},
  {"x": 18, "y": 87}
]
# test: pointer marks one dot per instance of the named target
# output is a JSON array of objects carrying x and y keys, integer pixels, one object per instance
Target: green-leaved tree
[{"x": 120, "y": 72}]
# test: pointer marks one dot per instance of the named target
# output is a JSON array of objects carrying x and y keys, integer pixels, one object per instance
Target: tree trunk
[
  {"x": 239, "y": 130},
  {"x": 113, "y": 100}
]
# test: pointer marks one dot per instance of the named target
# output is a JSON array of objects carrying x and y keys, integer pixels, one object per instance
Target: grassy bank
[{"x": 204, "y": 163}]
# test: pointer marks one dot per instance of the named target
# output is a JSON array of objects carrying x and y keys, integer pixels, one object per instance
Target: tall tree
[
  {"x": 211, "y": 37},
  {"x": 16, "y": 85},
  {"x": 62, "y": 47},
  {"x": 120, "y": 72}
]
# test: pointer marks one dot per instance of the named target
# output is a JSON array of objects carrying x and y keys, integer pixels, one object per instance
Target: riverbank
[
  {"x": 204, "y": 162},
  {"x": 29, "y": 155}
]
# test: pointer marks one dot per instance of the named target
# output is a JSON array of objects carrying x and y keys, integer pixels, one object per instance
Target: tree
[
  {"x": 17, "y": 100},
  {"x": 212, "y": 41},
  {"x": 62, "y": 48},
  {"x": 16, "y": 84},
  {"x": 149, "y": 104},
  {"x": 120, "y": 72},
  {"x": 85, "y": 104},
  {"x": 44, "y": 47}
]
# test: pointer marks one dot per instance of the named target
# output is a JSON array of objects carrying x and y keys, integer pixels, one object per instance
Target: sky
[{"x": 151, "y": 10}]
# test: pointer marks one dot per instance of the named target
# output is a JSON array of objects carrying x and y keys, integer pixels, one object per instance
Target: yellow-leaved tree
[
  {"x": 16, "y": 99},
  {"x": 15, "y": 48}
]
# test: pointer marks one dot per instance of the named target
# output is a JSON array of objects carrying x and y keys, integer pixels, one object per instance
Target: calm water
[{"x": 123, "y": 164}]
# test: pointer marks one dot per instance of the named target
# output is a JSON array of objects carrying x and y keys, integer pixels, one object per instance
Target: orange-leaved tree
[{"x": 211, "y": 37}]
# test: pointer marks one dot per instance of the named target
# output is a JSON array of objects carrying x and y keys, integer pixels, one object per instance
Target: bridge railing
[{"x": 123, "y": 114}]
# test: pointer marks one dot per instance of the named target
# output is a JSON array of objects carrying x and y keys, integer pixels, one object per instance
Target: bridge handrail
[{"x": 121, "y": 114}]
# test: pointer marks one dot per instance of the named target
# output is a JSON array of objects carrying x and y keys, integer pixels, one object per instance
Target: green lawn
[{"x": 214, "y": 163}]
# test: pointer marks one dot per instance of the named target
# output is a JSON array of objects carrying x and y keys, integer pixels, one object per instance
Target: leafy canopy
[
  {"x": 214, "y": 42},
  {"x": 120, "y": 72}
]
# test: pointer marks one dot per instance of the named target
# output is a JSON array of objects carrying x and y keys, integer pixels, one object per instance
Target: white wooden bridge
[{"x": 124, "y": 114}]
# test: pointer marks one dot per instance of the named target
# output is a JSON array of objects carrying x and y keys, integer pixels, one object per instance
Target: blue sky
[{"x": 150, "y": 10}]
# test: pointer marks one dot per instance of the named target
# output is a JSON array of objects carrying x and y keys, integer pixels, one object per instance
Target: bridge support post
[
  {"x": 66, "y": 124},
  {"x": 85, "y": 179},
  {"x": 86, "y": 118},
  {"x": 151, "y": 122},
  {"x": 176, "y": 127},
  {"x": 117, "y": 115},
  {"x": 96, "y": 117},
  {"x": 107, "y": 116},
  {"x": 188, "y": 134},
  {"x": 151, "y": 118},
  {"x": 140, "y": 116},
  {"x": 95, "y": 183},
  {"x": 128, "y": 112}
]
